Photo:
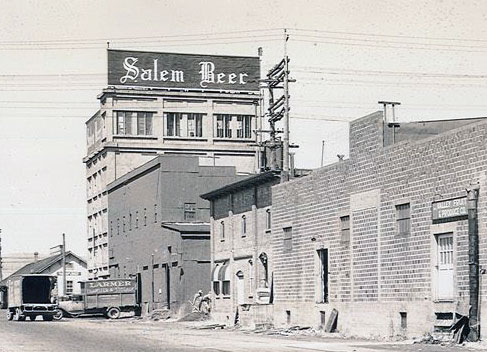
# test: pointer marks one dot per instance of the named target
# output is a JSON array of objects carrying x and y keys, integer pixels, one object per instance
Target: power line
[
  {"x": 389, "y": 35},
  {"x": 204, "y": 35}
]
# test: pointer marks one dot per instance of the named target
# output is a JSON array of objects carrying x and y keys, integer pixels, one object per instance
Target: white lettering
[
  {"x": 132, "y": 70},
  {"x": 231, "y": 78},
  {"x": 177, "y": 76},
  {"x": 146, "y": 75},
  {"x": 155, "y": 69},
  {"x": 163, "y": 75},
  {"x": 242, "y": 75},
  {"x": 207, "y": 73},
  {"x": 220, "y": 78}
]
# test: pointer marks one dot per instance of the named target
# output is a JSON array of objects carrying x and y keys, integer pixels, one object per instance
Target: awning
[
  {"x": 215, "y": 272},
  {"x": 223, "y": 274}
]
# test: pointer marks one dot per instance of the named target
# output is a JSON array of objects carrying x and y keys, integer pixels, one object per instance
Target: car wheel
[
  {"x": 32, "y": 317},
  {"x": 10, "y": 315}
]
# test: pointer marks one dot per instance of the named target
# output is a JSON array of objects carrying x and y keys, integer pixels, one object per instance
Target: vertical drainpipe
[{"x": 473, "y": 261}]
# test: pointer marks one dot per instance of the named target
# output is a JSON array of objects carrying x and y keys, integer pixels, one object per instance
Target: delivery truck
[
  {"x": 31, "y": 296},
  {"x": 107, "y": 297}
]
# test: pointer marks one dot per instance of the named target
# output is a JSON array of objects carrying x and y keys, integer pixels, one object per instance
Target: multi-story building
[
  {"x": 159, "y": 228},
  {"x": 383, "y": 237},
  {"x": 241, "y": 248},
  {"x": 160, "y": 103}
]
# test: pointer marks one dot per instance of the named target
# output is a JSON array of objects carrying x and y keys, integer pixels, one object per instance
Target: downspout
[{"x": 473, "y": 262}]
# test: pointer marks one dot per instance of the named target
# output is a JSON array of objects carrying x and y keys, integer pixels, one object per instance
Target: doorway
[
  {"x": 323, "y": 272},
  {"x": 445, "y": 279},
  {"x": 240, "y": 288}
]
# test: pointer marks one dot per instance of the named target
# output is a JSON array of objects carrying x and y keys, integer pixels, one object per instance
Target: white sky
[{"x": 345, "y": 55}]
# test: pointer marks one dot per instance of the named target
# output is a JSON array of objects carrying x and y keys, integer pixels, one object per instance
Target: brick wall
[{"x": 379, "y": 265}]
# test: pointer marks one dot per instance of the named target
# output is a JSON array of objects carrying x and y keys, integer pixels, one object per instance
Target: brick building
[
  {"x": 383, "y": 237},
  {"x": 159, "y": 228},
  {"x": 241, "y": 248},
  {"x": 163, "y": 103}
]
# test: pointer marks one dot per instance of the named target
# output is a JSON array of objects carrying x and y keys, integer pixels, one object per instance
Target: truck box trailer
[
  {"x": 31, "y": 296},
  {"x": 109, "y": 297}
]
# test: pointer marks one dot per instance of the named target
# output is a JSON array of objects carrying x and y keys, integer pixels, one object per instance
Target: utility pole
[
  {"x": 64, "y": 264},
  {"x": 278, "y": 78},
  {"x": 285, "y": 139}
]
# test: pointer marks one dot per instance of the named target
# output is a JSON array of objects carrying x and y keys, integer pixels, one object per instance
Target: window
[
  {"x": 184, "y": 124},
  {"x": 345, "y": 228},
  {"x": 226, "y": 287},
  {"x": 195, "y": 125},
  {"x": 403, "y": 217},
  {"x": 243, "y": 126},
  {"x": 155, "y": 212},
  {"x": 189, "y": 211},
  {"x": 144, "y": 123},
  {"x": 118, "y": 226},
  {"x": 268, "y": 219},
  {"x": 136, "y": 219},
  {"x": 123, "y": 224},
  {"x": 124, "y": 122},
  {"x": 130, "y": 222},
  {"x": 223, "y": 126},
  {"x": 111, "y": 228},
  {"x": 69, "y": 287},
  {"x": 244, "y": 225},
  {"x": 222, "y": 231},
  {"x": 288, "y": 238},
  {"x": 173, "y": 124},
  {"x": 145, "y": 216}
]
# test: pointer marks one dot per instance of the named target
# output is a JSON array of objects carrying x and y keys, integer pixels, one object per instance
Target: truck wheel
[
  {"x": 18, "y": 315},
  {"x": 113, "y": 313},
  {"x": 47, "y": 317},
  {"x": 32, "y": 317},
  {"x": 59, "y": 314},
  {"x": 10, "y": 315}
]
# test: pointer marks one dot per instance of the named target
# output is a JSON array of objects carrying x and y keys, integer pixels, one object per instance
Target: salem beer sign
[{"x": 183, "y": 71}]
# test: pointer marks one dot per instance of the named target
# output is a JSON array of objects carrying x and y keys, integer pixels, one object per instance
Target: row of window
[
  {"x": 179, "y": 124},
  {"x": 403, "y": 226},
  {"x": 126, "y": 223},
  {"x": 243, "y": 225}
]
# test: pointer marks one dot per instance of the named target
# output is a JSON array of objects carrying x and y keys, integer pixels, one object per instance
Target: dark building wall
[
  {"x": 139, "y": 203},
  {"x": 378, "y": 272}
]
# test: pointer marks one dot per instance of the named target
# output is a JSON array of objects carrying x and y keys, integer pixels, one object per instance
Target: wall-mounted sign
[
  {"x": 183, "y": 71},
  {"x": 110, "y": 286},
  {"x": 450, "y": 208}
]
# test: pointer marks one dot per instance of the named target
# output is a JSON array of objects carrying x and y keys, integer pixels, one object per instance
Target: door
[
  {"x": 445, "y": 266},
  {"x": 323, "y": 263},
  {"x": 240, "y": 288}
]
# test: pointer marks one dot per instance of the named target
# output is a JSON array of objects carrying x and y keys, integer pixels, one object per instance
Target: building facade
[
  {"x": 383, "y": 237},
  {"x": 159, "y": 228},
  {"x": 207, "y": 108},
  {"x": 241, "y": 248},
  {"x": 76, "y": 271}
]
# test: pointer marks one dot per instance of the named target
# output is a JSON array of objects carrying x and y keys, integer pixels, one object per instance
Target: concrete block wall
[{"x": 379, "y": 271}]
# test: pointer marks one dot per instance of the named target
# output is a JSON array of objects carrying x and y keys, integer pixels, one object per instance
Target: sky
[{"x": 345, "y": 56}]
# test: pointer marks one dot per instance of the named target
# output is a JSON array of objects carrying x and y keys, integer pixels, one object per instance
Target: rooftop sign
[
  {"x": 448, "y": 209},
  {"x": 183, "y": 71}
]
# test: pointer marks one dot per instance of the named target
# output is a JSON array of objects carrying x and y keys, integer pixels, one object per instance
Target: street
[{"x": 98, "y": 334}]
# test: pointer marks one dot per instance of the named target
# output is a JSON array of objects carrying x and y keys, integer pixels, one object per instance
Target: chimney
[{"x": 36, "y": 256}]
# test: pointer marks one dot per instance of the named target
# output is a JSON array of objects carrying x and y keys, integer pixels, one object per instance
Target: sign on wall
[
  {"x": 448, "y": 209},
  {"x": 185, "y": 71}
]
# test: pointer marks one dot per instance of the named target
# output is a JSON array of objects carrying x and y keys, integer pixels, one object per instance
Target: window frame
[{"x": 403, "y": 216}]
